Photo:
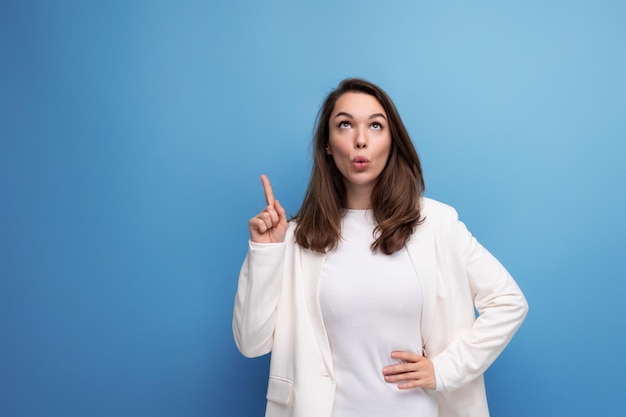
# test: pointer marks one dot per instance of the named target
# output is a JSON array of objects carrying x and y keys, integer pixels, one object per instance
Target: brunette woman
[{"x": 366, "y": 299}]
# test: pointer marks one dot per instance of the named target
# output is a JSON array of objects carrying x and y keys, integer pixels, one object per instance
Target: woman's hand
[
  {"x": 416, "y": 372},
  {"x": 270, "y": 225}
]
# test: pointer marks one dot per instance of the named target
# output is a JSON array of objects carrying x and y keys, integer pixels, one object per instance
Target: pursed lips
[{"x": 360, "y": 162}]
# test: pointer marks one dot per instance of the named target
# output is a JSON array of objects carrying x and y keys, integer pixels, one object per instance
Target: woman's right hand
[{"x": 270, "y": 225}]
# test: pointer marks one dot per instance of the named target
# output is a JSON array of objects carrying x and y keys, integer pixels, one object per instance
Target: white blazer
[{"x": 277, "y": 310}]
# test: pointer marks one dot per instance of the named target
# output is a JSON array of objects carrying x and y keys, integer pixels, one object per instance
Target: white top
[{"x": 371, "y": 304}]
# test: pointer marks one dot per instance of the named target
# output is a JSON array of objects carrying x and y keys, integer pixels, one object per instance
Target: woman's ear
[{"x": 328, "y": 152}]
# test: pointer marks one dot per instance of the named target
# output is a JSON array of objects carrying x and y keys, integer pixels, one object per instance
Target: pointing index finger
[{"x": 267, "y": 187}]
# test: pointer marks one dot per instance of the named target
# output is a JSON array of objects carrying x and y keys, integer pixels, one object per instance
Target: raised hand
[
  {"x": 270, "y": 225},
  {"x": 417, "y": 371}
]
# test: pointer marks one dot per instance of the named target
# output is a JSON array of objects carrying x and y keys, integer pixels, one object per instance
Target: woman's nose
[{"x": 360, "y": 141}]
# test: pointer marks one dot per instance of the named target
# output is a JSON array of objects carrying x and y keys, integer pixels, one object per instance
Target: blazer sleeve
[
  {"x": 258, "y": 293},
  {"x": 500, "y": 304}
]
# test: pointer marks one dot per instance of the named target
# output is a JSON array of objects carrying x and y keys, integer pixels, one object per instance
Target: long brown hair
[{"x": 396, "y": 195}]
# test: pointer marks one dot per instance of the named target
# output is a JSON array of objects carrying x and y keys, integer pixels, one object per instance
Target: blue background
[{"x": 133, "y": 135}]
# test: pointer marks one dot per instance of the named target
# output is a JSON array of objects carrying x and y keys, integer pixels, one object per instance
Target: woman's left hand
[{"x": 417, "y": 371}]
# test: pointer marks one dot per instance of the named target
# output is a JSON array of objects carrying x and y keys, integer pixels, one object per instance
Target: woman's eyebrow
[{"x": 343, "y": 114}]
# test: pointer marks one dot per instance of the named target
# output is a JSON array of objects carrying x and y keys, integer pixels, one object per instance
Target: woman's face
[{"x": 359, "y": 141}]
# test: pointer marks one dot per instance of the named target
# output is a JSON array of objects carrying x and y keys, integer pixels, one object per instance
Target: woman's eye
[
  {"x": 344, "y": 125},
  {"x": 376, "y": 125}
]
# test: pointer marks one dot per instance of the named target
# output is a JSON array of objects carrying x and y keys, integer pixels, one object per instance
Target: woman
[{"x": 367, "y": 298}]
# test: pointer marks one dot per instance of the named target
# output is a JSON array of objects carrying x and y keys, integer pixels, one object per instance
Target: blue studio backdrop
[{"x": 133, "y": 134}]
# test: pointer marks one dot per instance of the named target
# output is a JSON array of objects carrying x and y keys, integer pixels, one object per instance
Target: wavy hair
[{"x": 395, "y": 199}]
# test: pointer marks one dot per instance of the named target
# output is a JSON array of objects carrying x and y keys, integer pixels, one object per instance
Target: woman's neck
[{"x": 359, "y": 199}]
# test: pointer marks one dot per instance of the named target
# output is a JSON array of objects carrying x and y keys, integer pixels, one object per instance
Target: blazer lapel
[
  {"x": 422, "y": 251},
  {"x": 312, "y": 263}
]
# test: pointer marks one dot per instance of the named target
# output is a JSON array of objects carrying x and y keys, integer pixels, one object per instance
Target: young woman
[{"x": 367, "y": 297}]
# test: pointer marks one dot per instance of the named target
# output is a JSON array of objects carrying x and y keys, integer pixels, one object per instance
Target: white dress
[{"x": 371, "y": 304}]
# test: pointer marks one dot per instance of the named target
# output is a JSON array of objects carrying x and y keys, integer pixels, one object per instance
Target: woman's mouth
[{"x": 360, "y": 162}]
